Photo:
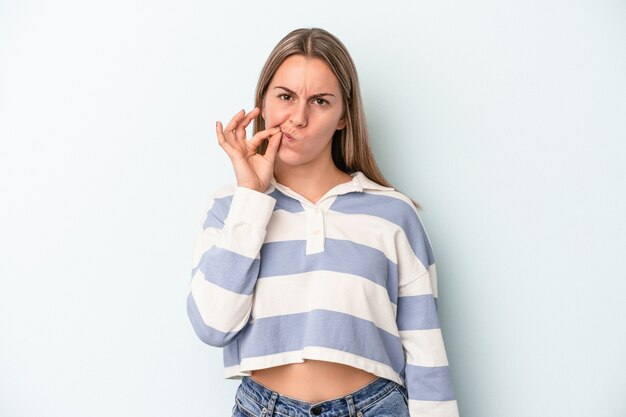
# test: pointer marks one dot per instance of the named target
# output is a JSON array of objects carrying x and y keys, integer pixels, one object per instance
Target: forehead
[{"x": 312, "y": 74}]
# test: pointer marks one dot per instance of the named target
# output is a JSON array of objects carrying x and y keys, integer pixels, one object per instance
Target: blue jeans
[{"x": 380, "y": 398}]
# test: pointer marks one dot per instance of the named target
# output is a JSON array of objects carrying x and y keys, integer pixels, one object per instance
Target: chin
[
  {"x": 290, "y": 159},
  {"x": 290, "y": 162}
]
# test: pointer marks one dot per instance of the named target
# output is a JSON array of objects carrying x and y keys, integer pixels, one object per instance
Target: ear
[{"x": 341, "y": 124}]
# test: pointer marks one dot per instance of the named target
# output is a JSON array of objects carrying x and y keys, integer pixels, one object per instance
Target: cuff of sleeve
[{"x": 250, "y": 207}]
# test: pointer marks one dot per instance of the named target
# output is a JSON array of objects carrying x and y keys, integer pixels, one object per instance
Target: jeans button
[{"x": 316, "y": 411}]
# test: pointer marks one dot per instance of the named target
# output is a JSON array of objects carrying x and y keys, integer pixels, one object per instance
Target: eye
[
  {"x": 285, "y": 97},
  {"x": 320, "y": 101}
]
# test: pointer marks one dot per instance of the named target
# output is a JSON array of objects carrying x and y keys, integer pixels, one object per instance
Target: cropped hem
[{"x": 247, "y": 365}]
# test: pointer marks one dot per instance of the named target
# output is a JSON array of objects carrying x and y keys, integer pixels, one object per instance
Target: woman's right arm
[
  {"x": 226, "y": 264},
  {"x": 226, "y": 251}
]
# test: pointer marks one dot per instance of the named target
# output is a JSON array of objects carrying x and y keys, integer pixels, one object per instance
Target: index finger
[{"x": 264, "y": 134}]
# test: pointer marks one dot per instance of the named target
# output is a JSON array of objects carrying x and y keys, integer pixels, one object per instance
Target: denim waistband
[{"x": 271, "y": 403}]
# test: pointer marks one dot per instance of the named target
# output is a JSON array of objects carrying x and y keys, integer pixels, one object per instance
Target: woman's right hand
[{"x": 252, "y": 169}]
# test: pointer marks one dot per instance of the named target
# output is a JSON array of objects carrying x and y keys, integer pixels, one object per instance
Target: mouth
[{"x": 288, "y": 138}]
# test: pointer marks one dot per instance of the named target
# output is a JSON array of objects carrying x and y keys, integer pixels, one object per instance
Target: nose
[{"x": 299, "y": 116}]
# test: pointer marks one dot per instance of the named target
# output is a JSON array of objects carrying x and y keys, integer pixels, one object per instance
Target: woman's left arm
[{"x": 427, "y": 375}]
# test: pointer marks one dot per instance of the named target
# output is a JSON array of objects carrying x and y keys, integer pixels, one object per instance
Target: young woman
[{"x": 314, "y": 274}]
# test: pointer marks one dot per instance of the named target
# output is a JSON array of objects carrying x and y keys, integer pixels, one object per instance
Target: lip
[{"x": 288, "y": 137}]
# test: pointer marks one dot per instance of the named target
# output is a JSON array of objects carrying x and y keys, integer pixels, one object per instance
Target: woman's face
[{"x": 304, "y": 99}]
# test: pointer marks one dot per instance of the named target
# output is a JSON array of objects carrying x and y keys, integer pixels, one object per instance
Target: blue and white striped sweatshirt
[{"x": 351, "y": 279}]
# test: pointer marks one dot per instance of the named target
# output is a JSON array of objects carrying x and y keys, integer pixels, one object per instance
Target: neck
[{"x": 310, "y": 182}]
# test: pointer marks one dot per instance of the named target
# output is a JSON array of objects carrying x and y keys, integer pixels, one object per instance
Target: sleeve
[
  {"x": 226, "y": 264},
  {"x": 426, "y": 373}
]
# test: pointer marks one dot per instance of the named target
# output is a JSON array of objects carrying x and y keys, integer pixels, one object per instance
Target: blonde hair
[{"x": 351, "y": 149}]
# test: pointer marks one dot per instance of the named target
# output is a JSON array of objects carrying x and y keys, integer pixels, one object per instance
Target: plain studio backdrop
[{"x": 504, "y": 119}]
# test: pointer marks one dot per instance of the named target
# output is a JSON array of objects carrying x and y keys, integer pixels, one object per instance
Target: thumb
[{"x": 274, "y": 144}]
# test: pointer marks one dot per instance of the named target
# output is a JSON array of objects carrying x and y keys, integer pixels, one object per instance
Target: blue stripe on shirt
[
  {"x": 427, "y": 383},
  {"x": 217, "y": 213},
  {"x": 229, "y": 270},
  {"x": 331, "y": 329},
  {"x": 288, "y": 257},
  {"x": 286, "y": 203},
  {"x": 393, "y": 210},
  {"x": 417, "y": 312}
]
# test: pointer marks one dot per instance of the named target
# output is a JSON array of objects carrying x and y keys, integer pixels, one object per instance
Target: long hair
[{"x": 351, "y": 149}]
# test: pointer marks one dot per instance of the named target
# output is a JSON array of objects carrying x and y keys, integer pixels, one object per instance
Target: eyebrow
[{"x": 310, "y": 98}]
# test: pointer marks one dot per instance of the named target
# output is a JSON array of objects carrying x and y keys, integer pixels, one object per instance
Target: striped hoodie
[{"x": 351, "y": 279}]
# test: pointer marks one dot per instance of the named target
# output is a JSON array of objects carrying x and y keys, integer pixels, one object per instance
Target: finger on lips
[
  {"x": 264, "y": 134},
  {"x": 274, "y": 144}
]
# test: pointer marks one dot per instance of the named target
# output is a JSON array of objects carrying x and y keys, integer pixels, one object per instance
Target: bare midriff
[{"x": 312, "y": 380}]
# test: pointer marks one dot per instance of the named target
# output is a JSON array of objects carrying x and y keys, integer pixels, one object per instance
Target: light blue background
[{"x": 504, "y": 119}]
